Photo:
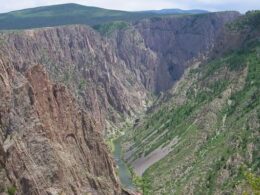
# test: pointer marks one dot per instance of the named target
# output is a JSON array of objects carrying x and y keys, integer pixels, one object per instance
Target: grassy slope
[
  {"x": 68, "y": 14},
  {"x": 63, "y": 15},
  {"x": 215, "y": 113}
]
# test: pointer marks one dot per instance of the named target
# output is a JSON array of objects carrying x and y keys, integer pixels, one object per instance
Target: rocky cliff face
[
  {"x": 53, "y": 115},
  {"x": 179, "y": 41},
  {"x": 113, "y": 76},
  {"x": 80, "y": 58},
  {"x": 48, "y": 144},
  {"x": 158, "y": 50}
]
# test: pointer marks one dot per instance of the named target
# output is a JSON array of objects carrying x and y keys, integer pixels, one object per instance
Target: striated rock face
[
  {"x": 48, "y": 144},
  {"x": 112, "y": 77},
  {"x": 52, "y": 115},
  {"x": 158, "y": 50},
  {"x": 178, "y": 41},
  {"x": 78, "y": 57}
]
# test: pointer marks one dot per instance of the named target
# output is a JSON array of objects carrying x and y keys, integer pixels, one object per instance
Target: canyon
[{"x": 65, "y": 90}]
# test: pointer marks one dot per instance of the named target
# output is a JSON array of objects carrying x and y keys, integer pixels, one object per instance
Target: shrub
[
  {"x": 11, "y": 190},
  {"x": 253, "y": 180}
]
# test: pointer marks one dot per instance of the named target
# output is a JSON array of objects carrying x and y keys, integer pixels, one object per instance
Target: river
[{"x": 124, "y": 172}]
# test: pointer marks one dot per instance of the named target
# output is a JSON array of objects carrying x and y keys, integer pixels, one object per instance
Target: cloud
[{"x": 212, "y": 5}]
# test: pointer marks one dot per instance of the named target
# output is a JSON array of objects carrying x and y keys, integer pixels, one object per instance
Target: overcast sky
[{"x": 131, "y": 5}]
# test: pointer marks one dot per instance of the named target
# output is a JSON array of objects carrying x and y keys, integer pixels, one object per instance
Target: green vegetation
[
  {"x": 254, "y": 181},
  {"x": 251, "y": 20},
  {"x": 82, "y": 84},
  {"x": 67, "y": 14},
  {"x": 11, "y": 190},
  {"x": 217, "y": 125},
  {"x": 141, "y": 183},
  {"x": 63, "y": 15},
  {"x": 108, "y": 28}
]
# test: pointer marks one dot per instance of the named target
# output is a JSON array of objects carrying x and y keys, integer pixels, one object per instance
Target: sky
[{"x": 137, "y": 5}]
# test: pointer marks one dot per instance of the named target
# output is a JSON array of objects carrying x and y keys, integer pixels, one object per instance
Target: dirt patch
[{"x": 143, "y": 163}]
